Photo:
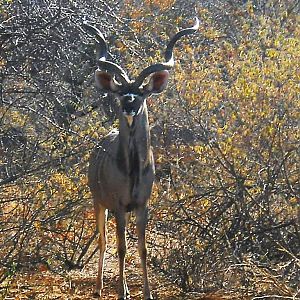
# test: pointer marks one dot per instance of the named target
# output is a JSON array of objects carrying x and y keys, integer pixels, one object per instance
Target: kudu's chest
[{"x": 125, "y": 172}]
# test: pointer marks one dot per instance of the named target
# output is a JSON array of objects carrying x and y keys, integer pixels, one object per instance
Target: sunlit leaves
[{"x": 241, "y": 100}]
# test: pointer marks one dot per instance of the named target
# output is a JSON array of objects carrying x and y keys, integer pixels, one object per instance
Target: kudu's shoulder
[{"x": 107, "y": 145}]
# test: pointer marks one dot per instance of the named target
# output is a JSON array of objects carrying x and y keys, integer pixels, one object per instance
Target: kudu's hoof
[
  {"x": 96, "y": 294},
  {"x": 127, "y": 297}
]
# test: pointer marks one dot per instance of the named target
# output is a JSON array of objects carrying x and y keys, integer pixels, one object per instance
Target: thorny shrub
[{"x": 225, "y": 208}]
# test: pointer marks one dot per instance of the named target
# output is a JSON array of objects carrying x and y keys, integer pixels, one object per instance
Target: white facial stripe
[{"x": 132, "y": 96}]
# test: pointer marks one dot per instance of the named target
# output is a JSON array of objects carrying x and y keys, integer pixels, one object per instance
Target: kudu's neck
[{"x": 134, "y": 140}]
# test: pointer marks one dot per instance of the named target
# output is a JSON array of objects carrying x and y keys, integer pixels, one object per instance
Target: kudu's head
[{"x": 111, "y": 78}]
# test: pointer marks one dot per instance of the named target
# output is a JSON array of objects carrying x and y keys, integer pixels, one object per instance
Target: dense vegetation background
[{"x": 225, "y": 209}]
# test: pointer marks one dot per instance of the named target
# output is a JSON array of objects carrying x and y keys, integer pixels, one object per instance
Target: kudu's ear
[
  {"x": 157, "y": 83},
  {"x": 105, "y": 82}
]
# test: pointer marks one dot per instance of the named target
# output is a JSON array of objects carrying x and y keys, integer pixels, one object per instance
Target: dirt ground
[
  {"x": 79, "y": 285},
  {"x": 74, "y": 285}
]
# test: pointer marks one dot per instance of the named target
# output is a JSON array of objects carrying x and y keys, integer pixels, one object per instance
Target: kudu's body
[{"x": 121, "y": 169}]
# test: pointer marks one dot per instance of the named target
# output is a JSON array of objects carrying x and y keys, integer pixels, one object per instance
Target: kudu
[{"x": 121, "y": 168}]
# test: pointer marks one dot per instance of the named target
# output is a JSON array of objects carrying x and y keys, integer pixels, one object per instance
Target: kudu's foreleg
[
  {"x": 123, "y": 292},
  {"x": 141, "y": 223},
  {"x": 101, "y": 217}
]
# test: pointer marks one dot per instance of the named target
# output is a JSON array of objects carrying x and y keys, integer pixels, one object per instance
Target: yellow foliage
[{"x": 161, "y": 4}]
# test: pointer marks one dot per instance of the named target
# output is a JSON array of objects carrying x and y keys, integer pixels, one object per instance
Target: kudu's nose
[
  {"x": 129, "y": 114},
  {"x": 129, "y": 111}
]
